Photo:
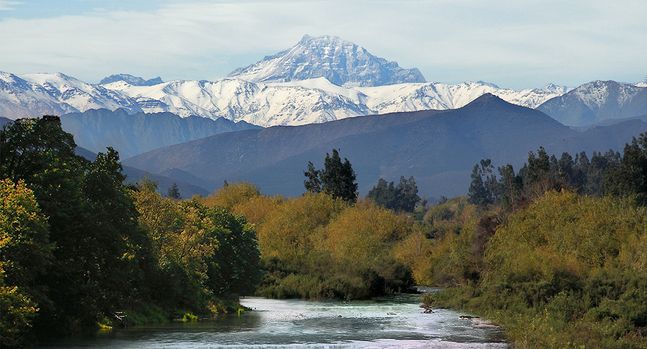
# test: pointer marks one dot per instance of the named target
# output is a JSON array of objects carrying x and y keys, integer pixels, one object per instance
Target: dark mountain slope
[
  {"x": 133, "y": 134},
  {"x": 4, "y": 121},
  {"x": 439, "y": 148},
  {"x": 135, "y": 175}
]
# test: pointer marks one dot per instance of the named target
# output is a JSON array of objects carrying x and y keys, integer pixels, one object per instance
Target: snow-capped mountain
[
  {"x": 266, "y": 104},
  {"x": 20, "y": 98},
  {"x": 341, "y": 62},
  {"x": 311, "y": 101},
  {"x": 235, "y": 99},
  {"x": 597, "y": 101},
  {"x": 131, "y": 79},
  {"x": 38, "y": 94},
  {"x": 642, "y": 83}
]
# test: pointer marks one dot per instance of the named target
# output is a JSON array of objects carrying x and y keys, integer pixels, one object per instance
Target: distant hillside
[
  {"x": 439, "y": 148},
  {"x": 134, "y": 175},
  {"x": 133, "y": 134},
  {"x": 4, "y": 121},
  {"x": 597, "y": 101}
]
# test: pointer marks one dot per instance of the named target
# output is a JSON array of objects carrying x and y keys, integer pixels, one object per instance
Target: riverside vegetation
[{"x": 556, "y": 253}]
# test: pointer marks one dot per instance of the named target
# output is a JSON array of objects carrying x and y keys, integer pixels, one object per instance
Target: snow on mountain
[
  {"x": 80, "y": 95},
  {"x": 311, "y": 101},
  {"x": 597, "y": 101},
  {"x": 266, "y": 104},
  {"x": 642, "y": 83},
  {"x": 341, "y": 62},
  {"x": 235, "y": 99},
  {"x": 20, "y": 98},
  {"x": 130, "y": 79},
  {"x": 39, "y": 94}
]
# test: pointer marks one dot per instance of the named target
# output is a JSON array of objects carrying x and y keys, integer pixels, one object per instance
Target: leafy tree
[
  {"x": 384, "y": 194},
  {"x": 91, "y": 219},
  {"x": 234, "y": 268},
  {"x": 630, "y": 178},
  {"x": 336, "y": 179},
  {"x": 313, "y": 180},
  {"x": 25, "y": 251},
  {"x": 174, "y": 192},
  {"x": 408, "y": 194},
  {"x": 17, "y": 312},
  {"x": 402, "y": 197},
  {"x": 511, "y": 187},
  {"x": 482, "y": 188},
  {"x": 25, "y": 254},
  {"x": 232, "y": 194},
  {"x": 116, "y": 240}
]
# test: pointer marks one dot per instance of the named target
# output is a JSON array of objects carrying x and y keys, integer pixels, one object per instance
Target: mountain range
[
  {"x": 437, "y": 147},
  {"x": 317, "y": 80},
  {"x": 294, "y": 93},
  {"x": 133, "y": 134},
  {"x": 597, "y": 101}
]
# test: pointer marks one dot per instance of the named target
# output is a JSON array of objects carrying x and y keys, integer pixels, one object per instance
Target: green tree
[
  {"x": 337, "y": 178},
  {"x": 313, "y": 179},
  {"x": 174, "y": 192},
  {"x": 511, "y": 187},
  {"x": 402, "y": 197},
  {"x": 115, "y": 245},
  {"x": 384, "y": 194},
  {"x": 630, "y": 178},
  {"x": 234, "y": 269},
  {"x": 91, "y": 219},
  {"x": 481, "y": 186},
  {"x": 25, "y": 254},
  {"x": 17, "y": 312},
  {"x": 407, "y": 194},
  {"x": 25, "y": 251}
]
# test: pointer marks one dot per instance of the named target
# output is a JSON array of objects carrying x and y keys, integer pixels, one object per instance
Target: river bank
[{"x": 390, "y": 322}]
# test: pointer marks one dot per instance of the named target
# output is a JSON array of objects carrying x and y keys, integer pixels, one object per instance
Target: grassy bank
[{"x": 151, "y": 314}]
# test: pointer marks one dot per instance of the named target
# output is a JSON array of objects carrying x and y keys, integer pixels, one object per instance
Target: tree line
[
  {"x": 607, "y": 173},
  {"x": 78, "y": 245},
  {"x": 558, "y": 247}
]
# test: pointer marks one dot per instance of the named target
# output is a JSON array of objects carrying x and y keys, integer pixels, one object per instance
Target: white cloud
[
  {"x": 8, "y": 5},
  {"x": 514, "y": 43}
]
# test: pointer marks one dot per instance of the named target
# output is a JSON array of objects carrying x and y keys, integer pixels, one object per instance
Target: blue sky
[{"x": 521, "y": 43}]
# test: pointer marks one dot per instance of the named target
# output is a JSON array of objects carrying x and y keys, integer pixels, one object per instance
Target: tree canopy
[{"x": 336, "y": 179}]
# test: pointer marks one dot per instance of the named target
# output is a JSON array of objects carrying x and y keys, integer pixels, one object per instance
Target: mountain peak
[
  {"x": 642, "y": 83},
  {"x": 131, "y": 80},
  {"x": 489, "y": 100},
  {"x": 341, "y": 62}
]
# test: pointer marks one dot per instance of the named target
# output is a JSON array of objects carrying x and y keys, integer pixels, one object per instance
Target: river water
[{"x": 394, "y": 322}]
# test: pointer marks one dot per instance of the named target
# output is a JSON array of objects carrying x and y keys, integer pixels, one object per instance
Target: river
[{"x": 394, "y": 322}]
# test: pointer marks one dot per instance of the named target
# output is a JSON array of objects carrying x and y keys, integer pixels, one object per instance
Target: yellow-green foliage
[
  {"x": 24, "y": 253},
  {"x": 451, "y": 229},
  {"x": 415, "y": 251},
  {"x": 257, "y": 208},
  {"x": 315, "y": 246},
  {"x": 203, "y": 254},
  {"x": 17, "y": 312},
  {"x": 362, "y": 236},
  {"x": 290, "y": 232},
  {"x": 568, "y": 271},
  {"x": 232, "y": 194},
  {"x": 563, "y": 233}
]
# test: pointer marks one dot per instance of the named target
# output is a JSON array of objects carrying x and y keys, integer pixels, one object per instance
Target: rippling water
[{"x": 395, "y": 322}]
